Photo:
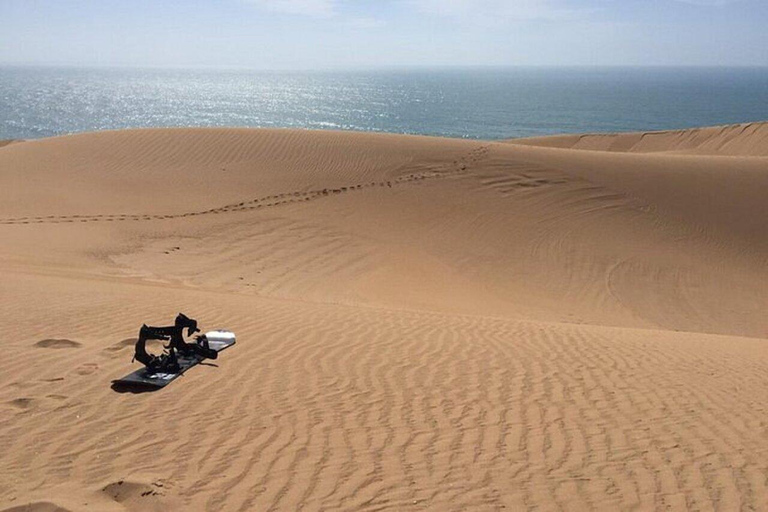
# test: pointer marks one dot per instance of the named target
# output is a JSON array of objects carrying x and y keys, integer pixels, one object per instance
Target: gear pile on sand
[{"x": 178, "y": 356}]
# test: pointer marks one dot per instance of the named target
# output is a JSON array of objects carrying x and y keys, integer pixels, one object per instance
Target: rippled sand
[{"x": 423, "y": 324}]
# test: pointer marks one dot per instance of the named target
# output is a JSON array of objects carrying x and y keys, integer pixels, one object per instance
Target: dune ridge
[
  {"x": 748, "y": 139},
  {"x": 423, "y": 323}
]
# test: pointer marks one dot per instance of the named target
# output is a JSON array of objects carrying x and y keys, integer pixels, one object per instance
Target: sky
[{"x": 350, "y": 34}]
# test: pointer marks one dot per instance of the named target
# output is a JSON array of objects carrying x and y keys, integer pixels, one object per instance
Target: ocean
[{"x": 470, "y": 103}]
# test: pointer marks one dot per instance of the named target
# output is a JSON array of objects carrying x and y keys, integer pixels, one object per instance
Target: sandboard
[{"x": 217, "y": 340}]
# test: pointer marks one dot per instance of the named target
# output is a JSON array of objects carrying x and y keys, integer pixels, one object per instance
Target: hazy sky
[{"x": 301, "y": 34}]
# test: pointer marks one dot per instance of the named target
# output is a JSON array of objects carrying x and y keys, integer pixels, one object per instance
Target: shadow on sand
[
  {"x": 138, "y": 387},
  {"x": 133, "y": 388}
]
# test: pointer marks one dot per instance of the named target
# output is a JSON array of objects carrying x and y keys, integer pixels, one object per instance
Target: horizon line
[{"x": 405, "y": 67}]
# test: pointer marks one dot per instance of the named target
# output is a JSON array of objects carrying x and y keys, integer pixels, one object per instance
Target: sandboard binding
[{"x": 180, "y": 356}]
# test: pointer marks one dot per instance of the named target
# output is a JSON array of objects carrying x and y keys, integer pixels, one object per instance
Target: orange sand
[{"x": 563, "y": 323}]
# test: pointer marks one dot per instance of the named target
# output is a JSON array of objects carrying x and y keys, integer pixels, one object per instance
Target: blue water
[{"x": 484, "y": 103}]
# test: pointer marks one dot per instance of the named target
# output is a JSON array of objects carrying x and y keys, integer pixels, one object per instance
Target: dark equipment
[{"x": 178, "y": 356}]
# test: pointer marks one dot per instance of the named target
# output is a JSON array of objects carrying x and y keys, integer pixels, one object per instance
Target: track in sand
[{"x": 423, "y": 324}]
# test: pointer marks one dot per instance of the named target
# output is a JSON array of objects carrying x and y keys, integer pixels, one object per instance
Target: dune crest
[
  {"x": 749, "y": 139},
  {"x": 422, "y": 323}
]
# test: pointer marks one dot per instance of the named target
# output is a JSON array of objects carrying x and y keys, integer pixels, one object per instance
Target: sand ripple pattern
[
  {"x": 336, "y": 408},
  {"x": 423, "y": 324}
]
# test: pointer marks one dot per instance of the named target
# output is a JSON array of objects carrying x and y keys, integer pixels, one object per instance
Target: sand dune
[
  {"x": 423, "y": 323},
  {"x": 749, "y": 139}
]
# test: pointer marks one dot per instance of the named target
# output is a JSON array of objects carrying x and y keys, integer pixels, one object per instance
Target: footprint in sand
[
  {"x": 124, "y": 490},
  {"x": 87, "y": 369},
  {"x": 120, "y": 345},
  {"x": 22, "y": 403},
  {"x": 58, "y": 343}
]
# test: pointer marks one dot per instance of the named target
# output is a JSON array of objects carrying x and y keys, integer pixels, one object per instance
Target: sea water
[{"x": 471, "y": 103}]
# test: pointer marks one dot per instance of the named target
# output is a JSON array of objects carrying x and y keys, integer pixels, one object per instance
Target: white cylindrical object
[{"x": 220, "y": 336}]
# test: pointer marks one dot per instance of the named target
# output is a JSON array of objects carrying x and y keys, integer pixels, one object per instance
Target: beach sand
[{"x": 562, "y": 323}]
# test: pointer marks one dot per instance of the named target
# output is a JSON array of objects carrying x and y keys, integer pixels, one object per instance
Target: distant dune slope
[
  {"x": 416, "y": 222},
  {"x": 422, "y": 323},
  {"x": 749, "y": 139}
]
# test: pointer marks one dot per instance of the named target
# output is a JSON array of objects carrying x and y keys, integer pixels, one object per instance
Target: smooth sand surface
[{"x": 423, "y": 323}]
